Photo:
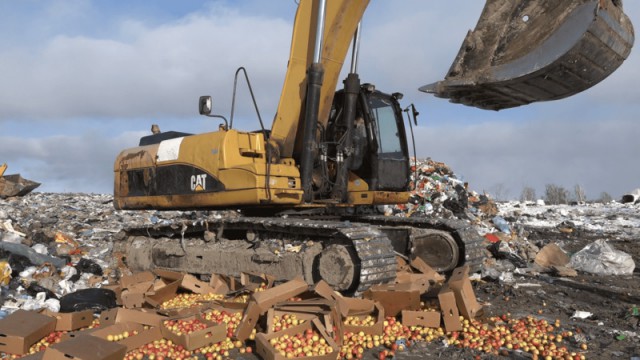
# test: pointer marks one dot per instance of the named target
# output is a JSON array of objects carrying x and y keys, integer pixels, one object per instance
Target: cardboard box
[
  {"x": 120, "y": 315},
  {"x": 132, "y": 299},
  {"x": 191, "y": 283},
  {"x": 430, "y": 319},
  {"x": 85, "y": 348},
  {"x": 197, "y": 339},
  {"x": 219, "y": 284},
  {"x": 253, "y": 281},
  {"x": 266, "y": 299},
  {"x": 324, "y": 309},
  {"x": 132, "y": 342},
  {"x": 168, "y": 292},
  {"x": 465, "y": 297},
  {"x": 449, "y": 308},
  {"x": 375, "y": 329},
  {"x": 419, "y": 265},
  {"x": 248, "y": 322},
  {"x": 71, "y": 321},
  {"x": 395, "y": 297},
  {"x": 419, "y": 282},
  {"x": 273, "y": 313},
  {"x": 22, "y": 329},
  {"x": 135, "y": 280},
  {"x": 268, "y": 352}
]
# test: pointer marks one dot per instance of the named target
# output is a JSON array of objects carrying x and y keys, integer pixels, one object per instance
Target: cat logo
[{"x": 198, "y": 182}]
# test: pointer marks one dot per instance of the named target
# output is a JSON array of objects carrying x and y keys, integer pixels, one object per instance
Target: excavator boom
[
  {"x": 536, "y": 50},
  {"x": 341, "y": 20}
]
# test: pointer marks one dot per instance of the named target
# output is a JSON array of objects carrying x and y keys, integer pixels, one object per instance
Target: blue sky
[{"x": 81, "y": 80}]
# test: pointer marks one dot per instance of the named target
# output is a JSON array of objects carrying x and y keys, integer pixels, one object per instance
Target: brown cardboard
[
  {"x": 325, "y": 309},
  {"x": 248, "y": 322},
  {"x": 196, "y": 286},
  {"x": 36, "y": 356},
  {"x": 422, "y": 267},
  {"x": 395, "y": 297},
  {"x": 71, "y": 321},
  {"x": 161, "y": 295},
  {"x": 132, "y": 342},
  {"x": 197, "y": 339},
  {"x": 132, "y": 299},
  {"x": 128, "y": 281},
  {"x": 253, "y": 281},
  {"x": 376, "y": 329},
  {"x": 267, "y": 298},
  {"x": 218, "y": 284},
  {"x": 450, "y": 314},
  {"x": 418, "y": 282},
  {"x": 267, "y": 352},
  {"x": 551, "y": 255},
  {"x": 430, "y": 319},
  {"x": 22, "y": 329},
  {"x": 120, "y": 315},
  {"x": 354, "y": 306},
  {"x": 85, "y": 348},
  {"x": 465, "y": 297},
  {"x": 169, "y": 275}
]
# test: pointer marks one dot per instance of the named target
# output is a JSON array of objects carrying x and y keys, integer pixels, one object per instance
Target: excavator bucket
[
  {"x": 536, "y": 50},
  {"x": 16, "y": 185}
]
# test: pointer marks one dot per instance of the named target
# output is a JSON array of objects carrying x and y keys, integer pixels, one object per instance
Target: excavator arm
[{"x": 341, "y": 20}]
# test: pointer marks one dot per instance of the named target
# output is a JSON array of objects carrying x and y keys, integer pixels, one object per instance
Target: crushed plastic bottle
[{"x": 501, "y": 224}]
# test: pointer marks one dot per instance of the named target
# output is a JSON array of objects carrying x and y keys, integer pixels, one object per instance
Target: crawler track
[{"x": 373, "y": 255}]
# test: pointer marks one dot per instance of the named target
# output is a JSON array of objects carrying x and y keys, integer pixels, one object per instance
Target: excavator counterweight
[{"x": 536, "y": 50}]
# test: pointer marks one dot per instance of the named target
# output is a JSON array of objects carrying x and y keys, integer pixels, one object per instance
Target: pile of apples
[
  {"x": 538, "y": 337},
  {"x": 232, "y": 320},
  {"x": 121, "y": 336},
  {"x": 185, "y": 326},
  {"x": 184, "y": 301},
  {"x": 395, "y": 337},
  {"x": 161, "y": 350},
  {"x": 309, "y": 343},
  {"x": 285, "y": 322},
  {"x": 360, "y": 321}
]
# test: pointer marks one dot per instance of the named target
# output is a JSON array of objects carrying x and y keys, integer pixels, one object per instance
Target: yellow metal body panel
[
  {"x": 236, "y": 160},
  {"x": 3, "y": 168},
  {"x": 341, "y": 20}
]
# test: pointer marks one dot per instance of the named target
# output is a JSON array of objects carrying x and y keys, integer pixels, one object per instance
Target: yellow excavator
[{"x": 307, "y": 189}]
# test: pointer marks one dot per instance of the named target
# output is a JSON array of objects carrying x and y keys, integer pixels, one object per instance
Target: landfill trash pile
[
  {"x": 549, "y": 266},
  {"x": 437, "y": 192}
]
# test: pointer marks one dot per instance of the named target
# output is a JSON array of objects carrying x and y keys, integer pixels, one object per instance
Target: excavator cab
[{"x": 536, "y": 50}]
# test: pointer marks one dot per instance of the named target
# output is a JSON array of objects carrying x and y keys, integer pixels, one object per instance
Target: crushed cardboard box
[
  {"x": 268, "y": 352},
  {"x": 22, "y": 329},
  {"x": 85, "y": 348}
]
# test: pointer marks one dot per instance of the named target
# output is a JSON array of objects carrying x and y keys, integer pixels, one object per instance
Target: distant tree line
[{"x": 556, "y": 194}]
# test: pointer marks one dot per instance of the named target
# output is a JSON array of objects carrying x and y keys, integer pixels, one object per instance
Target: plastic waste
[
  {"x": 40, "y": 249},
  {"x": 35, "y": 289},
  {"x": 601, "y": 258},
  {"x": 88, "y": 266},
  {"x": 501, "y": 224},
  {"x": 32, "y": 255},
  {"x": 94, "y": 299}
]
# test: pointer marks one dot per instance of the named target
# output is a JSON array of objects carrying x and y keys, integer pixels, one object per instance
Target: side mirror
[{"x": 205, "y": 105}]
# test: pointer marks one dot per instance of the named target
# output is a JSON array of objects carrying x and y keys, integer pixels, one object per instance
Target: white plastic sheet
[{"x": 601, "y": 258}]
